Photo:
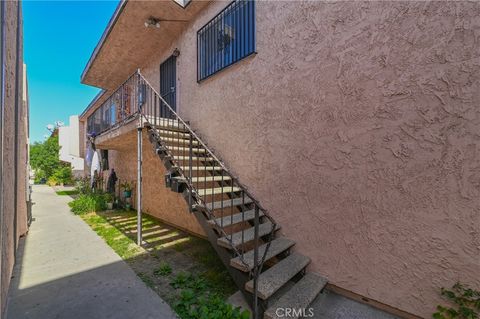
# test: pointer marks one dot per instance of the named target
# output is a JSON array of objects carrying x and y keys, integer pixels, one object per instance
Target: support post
[
  {"x": 190, "y": 154},
  {"x": 139, "y": 186},
  {"x": 255, "y": 263}
]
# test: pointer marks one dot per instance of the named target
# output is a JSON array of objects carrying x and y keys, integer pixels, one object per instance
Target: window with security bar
[{"x": 226, "y": 39}]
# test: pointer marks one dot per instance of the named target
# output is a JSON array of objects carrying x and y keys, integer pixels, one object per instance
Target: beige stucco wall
[
  {"x": 357, "y": 125},
  {"x": 157, "y": 200},
  {"x": 12, "y": 80}
]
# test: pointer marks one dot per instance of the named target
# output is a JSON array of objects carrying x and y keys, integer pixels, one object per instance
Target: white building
[{"x": 68, "y": 139}]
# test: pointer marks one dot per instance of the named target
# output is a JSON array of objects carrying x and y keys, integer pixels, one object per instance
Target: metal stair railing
[
  {"x": 136, "y": 98},
  {"x": 159, "y": 114}
]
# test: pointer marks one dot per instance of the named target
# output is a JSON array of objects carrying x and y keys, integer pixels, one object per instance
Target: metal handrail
[
  {"x": 202, "y": 143},
  {"x": 139, "y": 103},
  {"x": 211, "y": 154}
]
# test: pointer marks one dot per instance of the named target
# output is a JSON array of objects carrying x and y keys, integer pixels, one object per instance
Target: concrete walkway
[{"x": 64, "y": 270}]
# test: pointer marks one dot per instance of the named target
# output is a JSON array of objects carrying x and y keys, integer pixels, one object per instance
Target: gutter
[{"x": 108, "y": 29}]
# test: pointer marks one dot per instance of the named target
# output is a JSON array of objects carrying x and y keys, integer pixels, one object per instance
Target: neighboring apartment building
[
  {"x": 14, "y": 187},
  {"x": 68, "y": 139},
  {"x": 356, "y": 124}
]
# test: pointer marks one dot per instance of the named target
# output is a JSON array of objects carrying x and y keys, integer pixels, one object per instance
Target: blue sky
[{"x": 59, "y": 37}]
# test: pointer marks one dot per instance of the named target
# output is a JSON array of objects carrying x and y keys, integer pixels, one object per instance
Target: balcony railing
[{"x": 119, "y": 108}]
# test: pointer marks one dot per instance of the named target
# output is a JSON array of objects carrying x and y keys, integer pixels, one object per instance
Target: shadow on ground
[
  {"x": 108, "y": 291},
  {"x": 165, "y": 247}
]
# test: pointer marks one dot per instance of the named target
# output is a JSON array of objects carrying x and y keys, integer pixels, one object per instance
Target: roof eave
[{"x": 98, "y": 47}]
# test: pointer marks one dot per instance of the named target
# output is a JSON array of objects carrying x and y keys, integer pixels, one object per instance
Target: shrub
[
  {"x": 108, "y": 197},
  {"x": 88, "y": 203},
  {"x": 127, "y": 186},
  {"x": 61, "y": 175},
  {"x": 52, "y": 181},
  {"x": 44, "y": 156},
  {"x": 82, "y": 185},
  {"x": 40, "y": 176}
]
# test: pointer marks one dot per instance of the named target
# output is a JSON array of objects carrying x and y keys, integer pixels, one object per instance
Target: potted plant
[
  {"x": 127, "y": 189},
  {"x": 109, "y": 200}
]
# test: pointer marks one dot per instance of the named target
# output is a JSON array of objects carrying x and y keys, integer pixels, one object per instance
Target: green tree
[{"x": 44, "y": 156}]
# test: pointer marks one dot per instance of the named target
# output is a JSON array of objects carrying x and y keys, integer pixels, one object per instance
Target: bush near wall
[{"x": 88, "y": 203}]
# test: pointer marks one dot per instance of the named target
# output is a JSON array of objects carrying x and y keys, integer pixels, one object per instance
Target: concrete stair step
[
  {"x": 201, "y": 168},
  {"x": 166, "y": 124},
  {"x": 174, "y": 134},
  {"x": 299, "y": 296},
  {"x": 218, "y": 190},
  {"x": 277, "y": 246},
  {"x": 234, "y": 219},
  {"x": 271, "y": 280},
  {"x": 245, "y": 236},
  {"x": 200, "y": 179},
  {"x": 185, "y": 149},
  {"x": 194, "y": 158},
  {"x": 227, "y": 202},
  {"x": 176, "y": 141}
]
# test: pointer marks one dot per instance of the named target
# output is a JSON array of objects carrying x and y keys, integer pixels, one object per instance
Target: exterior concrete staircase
[{"x": 242, "y": 232}]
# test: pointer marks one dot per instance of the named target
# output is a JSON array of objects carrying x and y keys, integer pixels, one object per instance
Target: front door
[{"x": 168, "y": 70}]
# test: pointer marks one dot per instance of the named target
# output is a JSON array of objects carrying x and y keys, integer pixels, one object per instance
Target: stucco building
[
  {"x": 14, "y": 187},
  {"x": 69, "y": 141},
  {"x": 356, "y": 124}
]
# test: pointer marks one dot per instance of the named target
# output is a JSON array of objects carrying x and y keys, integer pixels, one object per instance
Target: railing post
[
  {"x": 139, "y": 186},
  {"x": 190, "y": 154},
  {"x": 255, "y": 264},
  {"x": 139, "y": 159}
]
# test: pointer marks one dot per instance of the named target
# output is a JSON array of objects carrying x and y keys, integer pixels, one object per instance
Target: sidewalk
[{"x": 64, "y": 270}]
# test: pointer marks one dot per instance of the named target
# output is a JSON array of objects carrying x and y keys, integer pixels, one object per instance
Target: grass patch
[
  {"x": 124, "y": 246},
  {"x": 69, "y": 193},
  {"x": 88, "y": 203},
  {"x": 173, "y": 263}
]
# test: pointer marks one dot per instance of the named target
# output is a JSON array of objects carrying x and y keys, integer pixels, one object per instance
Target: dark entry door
[{"x": 168, "y": 87}]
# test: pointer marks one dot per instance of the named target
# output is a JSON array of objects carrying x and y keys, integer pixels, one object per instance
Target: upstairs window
[{"x": 226, "y": 39}]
